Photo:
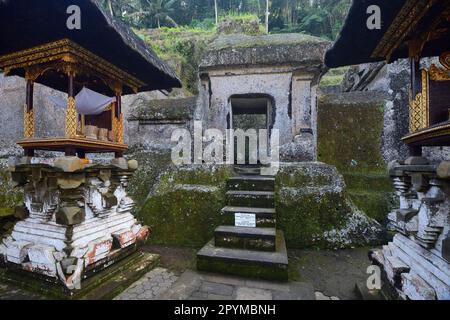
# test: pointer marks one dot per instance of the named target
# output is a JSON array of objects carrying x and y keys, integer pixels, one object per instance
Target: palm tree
[{"x": 161, "y": 10}]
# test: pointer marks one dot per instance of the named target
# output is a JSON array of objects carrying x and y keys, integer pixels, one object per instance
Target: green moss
[
  {"x": 243, "y": 270},
  {"x": 185, "y": 208},
  {"x": 305, "y": 217},
  {"x": 368, "y": 181},
  {"x": 375, "y": 204},
  {"x": 151, "y": 165},
  {"x": 349, "y": 135},
  {"x": 10, "y": 197}
]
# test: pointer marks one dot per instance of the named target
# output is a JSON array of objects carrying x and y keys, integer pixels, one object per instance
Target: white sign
[{"x": 245, "y": 220}]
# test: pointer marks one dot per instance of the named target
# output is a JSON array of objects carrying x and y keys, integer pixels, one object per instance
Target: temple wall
[{"x": 350, "y": 131}]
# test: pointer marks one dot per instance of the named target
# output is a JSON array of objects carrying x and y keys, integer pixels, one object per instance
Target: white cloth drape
[{"x": 88, "y": 102}]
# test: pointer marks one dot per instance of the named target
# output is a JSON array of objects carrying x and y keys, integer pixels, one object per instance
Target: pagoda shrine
[
  {"x": 78, "y": 214},
  {"x": 416, "y": 264}
]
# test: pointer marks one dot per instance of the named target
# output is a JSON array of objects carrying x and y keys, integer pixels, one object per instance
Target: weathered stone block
[
  {"x": 69, "y": 164},
  {"x": 42, "y": 259},
  {"x": 71, "y": 182},
  {"x": 120, "y": 163},
  {"x": 122, "y": 239},
  {"x": 416, "y": 161},
  {"x": 446, "y": 249},
  {"x": 98, "y": 250},
  {"x": 17, "y": 251},
  {"x": 21, "y": 212},
  {"x": 70, "y": 216},
  {"x": 110, "y": 200}
]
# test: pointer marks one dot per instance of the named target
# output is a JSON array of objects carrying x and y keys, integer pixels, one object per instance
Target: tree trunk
[
  {"x": 111, "y": 8},
  {"x": 216, "y": 9},
  {"x": 267, "y": 16}
]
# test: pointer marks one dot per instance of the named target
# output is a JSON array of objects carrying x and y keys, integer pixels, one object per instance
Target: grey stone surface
[
  {"x": 153, "y": 284},
  {"x": 245, "y": 293}
]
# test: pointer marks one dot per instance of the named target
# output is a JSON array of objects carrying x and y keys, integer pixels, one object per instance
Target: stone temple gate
[{"x": 273, "y": 76}]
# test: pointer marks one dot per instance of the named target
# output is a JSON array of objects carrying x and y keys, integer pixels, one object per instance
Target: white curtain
[{"x": 87, "y": 102}]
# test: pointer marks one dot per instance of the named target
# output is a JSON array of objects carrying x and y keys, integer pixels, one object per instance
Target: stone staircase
[{"x": 257, "y": 251}]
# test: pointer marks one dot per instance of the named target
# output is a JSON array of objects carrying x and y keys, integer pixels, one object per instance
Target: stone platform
[
  {"x": 77, "y": 219},
  {"x": 105, "y": 284}
]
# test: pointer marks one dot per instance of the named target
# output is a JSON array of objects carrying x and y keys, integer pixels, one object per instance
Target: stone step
[
  {"x": 246, "y": 263},
  {"x": 260, "y": 199},
  {"x": 260, "y": 239},
  {"x": 255, "y": 183},
  {"x": 265, "y": 217},
  {"x": 249, "y": 170}
]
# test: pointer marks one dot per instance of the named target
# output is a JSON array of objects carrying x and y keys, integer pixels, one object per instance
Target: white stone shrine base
[
  {"x": 79, "y": 220},
  {"x": 415, "y": 272}
]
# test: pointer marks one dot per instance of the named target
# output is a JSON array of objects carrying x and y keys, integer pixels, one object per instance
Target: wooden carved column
[
  {"x": 119, "y": 117},
  {"x": 71, "y": 111},
  {"x": 28, "y": 118},
  {"x": 71, "y": 115}
]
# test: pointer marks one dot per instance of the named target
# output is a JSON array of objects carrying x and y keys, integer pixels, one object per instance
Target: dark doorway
[{"x": 250, "y": 112}]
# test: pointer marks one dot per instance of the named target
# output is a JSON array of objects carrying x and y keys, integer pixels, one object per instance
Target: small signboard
[{"x": 245, "y": 220}]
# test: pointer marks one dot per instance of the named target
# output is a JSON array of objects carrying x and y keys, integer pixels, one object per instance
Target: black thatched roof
[
  {"x": 29, "y": 23},
  {"x": 356, "y": 43}
]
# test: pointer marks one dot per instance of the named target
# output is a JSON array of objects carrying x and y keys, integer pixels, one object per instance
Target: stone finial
[
  {"x": 133, "y": 164},
  {"x": 443, "y": 170}
]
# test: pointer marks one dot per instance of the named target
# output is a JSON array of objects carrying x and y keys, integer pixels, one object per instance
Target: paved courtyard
[{"x": 314, "y": 274}]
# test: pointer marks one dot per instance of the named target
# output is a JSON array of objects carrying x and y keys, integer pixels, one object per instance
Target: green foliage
[{"x": 323, "y": 18}]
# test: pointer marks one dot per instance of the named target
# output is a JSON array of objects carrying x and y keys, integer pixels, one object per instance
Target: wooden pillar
[
  {"x": 28, "y": 119},
  {"x": 119, "y": 115},
  {"x": 416, "y": 88},
  {"x": 71, "y": 114}
]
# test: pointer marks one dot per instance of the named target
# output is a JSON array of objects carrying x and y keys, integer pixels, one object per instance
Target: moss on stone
[
  {"x": 349, "y": 133},
  {"x": 314, "y": 209},
  {"x": 185, "y": 207},
  {"x": 305, "y": 217},
  {"x": 10, "y": 197},
  {"x": 243, "y": 270},
  {"x": 375, "y": 204},
  {"x": 151, "y": 165}
]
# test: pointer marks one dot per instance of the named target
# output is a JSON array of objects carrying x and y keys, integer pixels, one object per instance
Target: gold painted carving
[
  {"x": 418, "y": 108},
  {"x": 118, "y": 127},
  {"x": 71, "y": 118},
  {"x": 69, "y": 54},
  {"x": 28, "y": 123},
  {"x": 438, "y": 74},
  {"x": 401, "y": 27}
]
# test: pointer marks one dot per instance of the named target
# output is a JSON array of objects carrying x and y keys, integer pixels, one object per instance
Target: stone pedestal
[
  {"x": 416, "y": 263},
  {"x": 79, "y": 219}
]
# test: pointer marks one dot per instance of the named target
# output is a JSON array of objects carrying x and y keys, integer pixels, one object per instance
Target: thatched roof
[
  {"x": 26, "y": 24},
  {"x": 402, "y": 20}
]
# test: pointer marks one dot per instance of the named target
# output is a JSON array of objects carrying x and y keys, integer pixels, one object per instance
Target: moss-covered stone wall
[
  {"x": 9, "y": 199},
  {"x": 350, "y": 130},
  {"x": 184, "y": 207},
  {"x": 313, "y": 209}
]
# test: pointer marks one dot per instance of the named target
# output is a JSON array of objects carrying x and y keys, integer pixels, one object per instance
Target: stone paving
[
  {"x": 154, "y": 283},
  {"x": 161, "y": 284}
]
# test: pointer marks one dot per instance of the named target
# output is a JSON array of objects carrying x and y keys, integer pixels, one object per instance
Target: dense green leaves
[{"x": 317, "y": 17}]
